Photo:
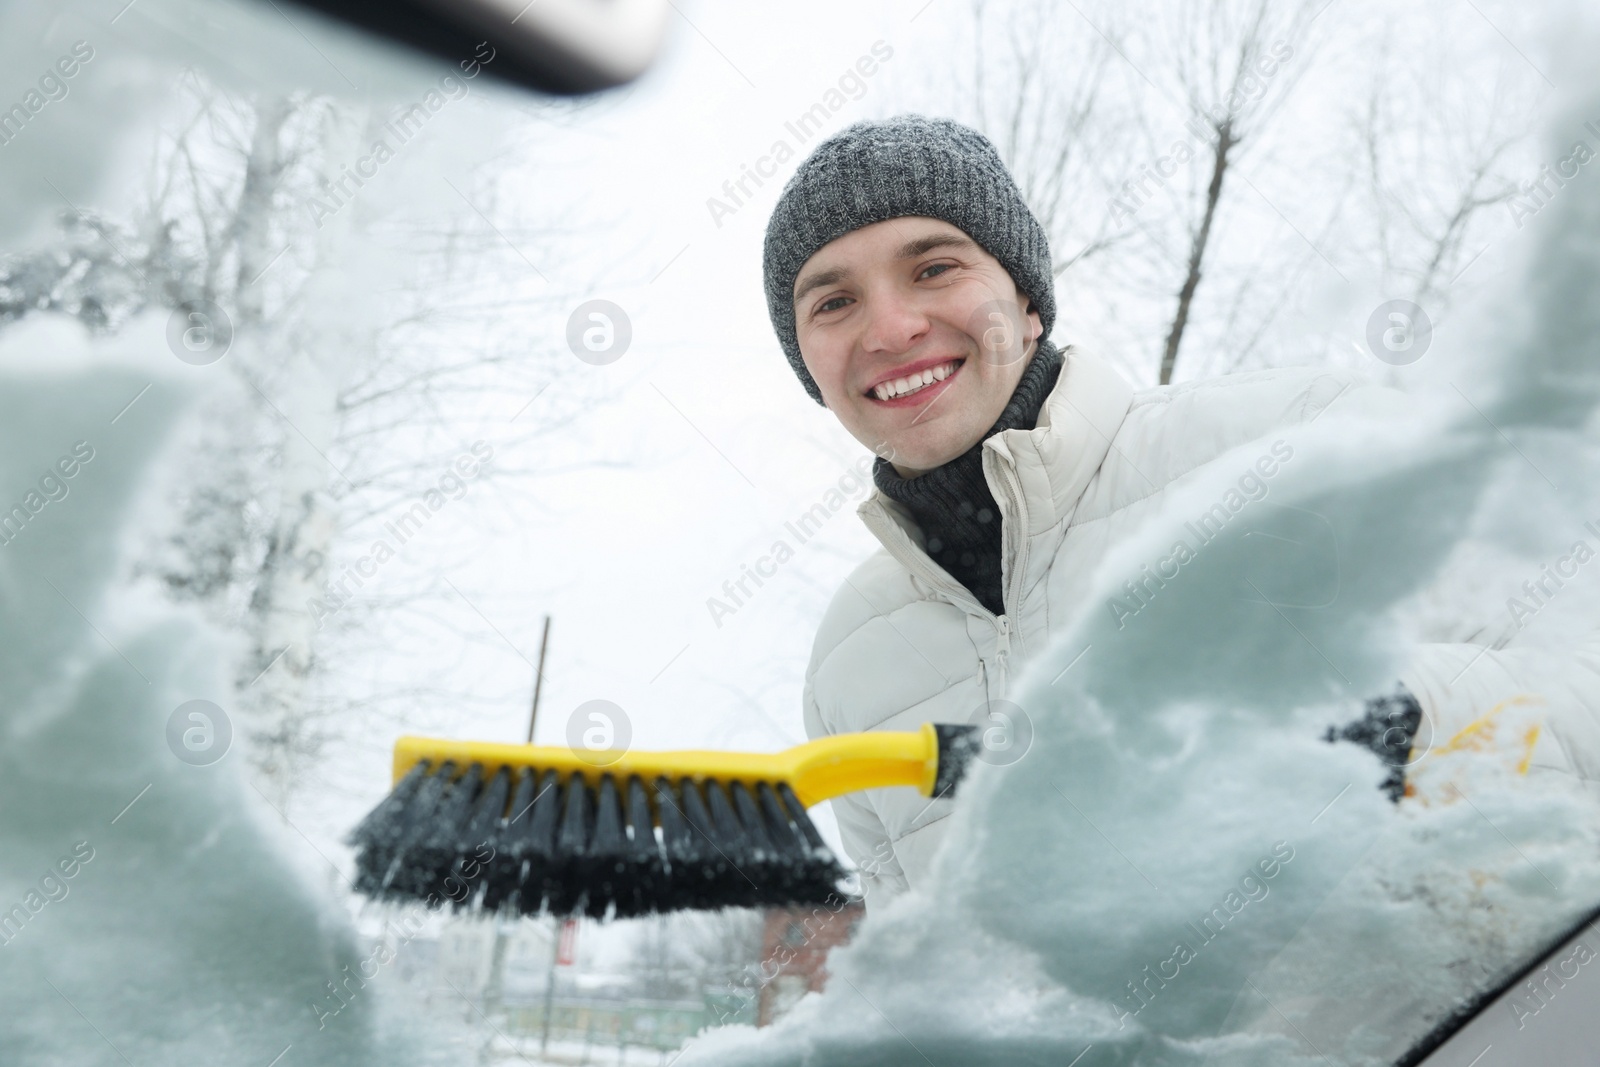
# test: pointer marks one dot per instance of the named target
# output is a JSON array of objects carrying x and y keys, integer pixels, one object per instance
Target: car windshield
[{"x": 400, "y": 452}]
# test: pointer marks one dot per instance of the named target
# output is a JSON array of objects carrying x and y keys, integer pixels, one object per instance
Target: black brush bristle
[
  {"x": 469, "y": 867},
  {"x": 504, "y": 875},
  {"x": 701, "y": 881},
  {"x": 565, "y": 888},
  {"x": 600, "y": 870},
  {"x": 429, "y": 861},
  {"x": 412, "y": 822},
  {"x": 816, "y": 865},
  {"x": 683, "y": 847},
  {"x": 958, "y": 743},
  {"x": 533, "y": 848},
  {"x": 736, "y": 853},
  {"x": 525, "y": 841},
  {"x": 807, "y": 869},
  {"x": 646, "y": 859},
  {"x": 378, "y": 836}
]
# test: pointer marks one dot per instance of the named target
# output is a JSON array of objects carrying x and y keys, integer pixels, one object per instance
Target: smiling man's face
[{"x": 915, "y": 336}]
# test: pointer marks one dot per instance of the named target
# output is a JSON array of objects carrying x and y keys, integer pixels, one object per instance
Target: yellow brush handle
[{"x": 816, "y": 771}]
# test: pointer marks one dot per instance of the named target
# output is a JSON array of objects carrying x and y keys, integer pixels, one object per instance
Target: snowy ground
[{"x": 576, "y": 1054}]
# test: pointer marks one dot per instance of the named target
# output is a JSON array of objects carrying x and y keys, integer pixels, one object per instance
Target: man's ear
[
  {"x": 1035, "y": 324},
  {"x": 813, "y": 379}
]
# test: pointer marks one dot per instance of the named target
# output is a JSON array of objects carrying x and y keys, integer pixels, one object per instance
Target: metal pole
[
  {"x": 550, "y": 983},
  {"x": 494, "y": 993},
  {"x": 555, "y": 931},
  {"x": 497, "y": 963},
  {"x": 538, "y": 681}
]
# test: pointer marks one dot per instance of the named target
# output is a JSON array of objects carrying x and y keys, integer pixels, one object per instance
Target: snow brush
[{"x": 524, "y": 829}]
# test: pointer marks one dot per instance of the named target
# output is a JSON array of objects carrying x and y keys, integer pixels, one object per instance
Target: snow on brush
[{"x": 1180, "y": 870}]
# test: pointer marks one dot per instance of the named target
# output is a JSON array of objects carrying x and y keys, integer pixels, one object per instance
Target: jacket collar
[{"x": 1053, "y": 464}]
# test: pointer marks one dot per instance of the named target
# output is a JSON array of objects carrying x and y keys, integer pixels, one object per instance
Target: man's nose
[{"x": 894, "y": 323}]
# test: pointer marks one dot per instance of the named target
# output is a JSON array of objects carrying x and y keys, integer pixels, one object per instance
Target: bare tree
[
  {"x": 1084, "y": 116},
  {"x": 721, "y": 945},
  {"x": 326, "y": 413},
  {"x": 1177, "y": 120},
  {"x": 1042, "y": 102},
  {"x": 686, "y": 952},
  {"x": 1230, "y": 64},
  {"x": 1434, "y": 173}
]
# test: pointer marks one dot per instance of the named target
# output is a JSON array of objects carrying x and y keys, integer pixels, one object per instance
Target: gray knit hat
[{"x": 907, "y": 165}]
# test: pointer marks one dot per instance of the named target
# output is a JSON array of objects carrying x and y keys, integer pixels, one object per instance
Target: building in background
[{"x": 794, "y": 950}]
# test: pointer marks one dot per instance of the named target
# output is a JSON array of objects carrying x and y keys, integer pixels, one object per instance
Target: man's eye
[
  {"x": 941, "y": 267},
  {"x": 822, "y": 307}
]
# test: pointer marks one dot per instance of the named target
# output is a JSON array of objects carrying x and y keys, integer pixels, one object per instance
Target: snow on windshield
[{"x": 148, "y": 909}]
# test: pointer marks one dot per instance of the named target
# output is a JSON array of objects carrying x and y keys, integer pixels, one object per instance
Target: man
[{"x": 911, "y": 289}]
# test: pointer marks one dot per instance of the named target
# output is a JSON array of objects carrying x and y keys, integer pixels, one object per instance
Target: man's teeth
[{"x": 912, "y": 383}]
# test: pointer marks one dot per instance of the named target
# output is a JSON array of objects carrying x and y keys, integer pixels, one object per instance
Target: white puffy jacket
[{"x": 903, "y": 643}]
